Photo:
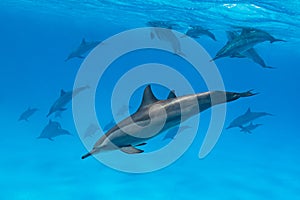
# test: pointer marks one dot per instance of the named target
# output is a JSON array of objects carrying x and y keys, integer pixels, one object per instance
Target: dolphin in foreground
[
  {"x": 247, "y": 117},
  {"x": 53, "y": 129},
  {"x": 249, "y": 128},
  {"x": 27, "y": 113},
  {"x": 64, "y": 99},
  {"x": 248, "y": 38},
  {"x": 142, "y": 128},
  {"x": 83, "y": 48},
  {"x": 197, "y": 31}
]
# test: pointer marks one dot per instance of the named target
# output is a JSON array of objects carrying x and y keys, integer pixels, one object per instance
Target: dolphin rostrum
[
  {"x": 142, "y": 124},
  {"x": 197, "y": 31},
  {"x": 247, "y": 117},
  {"x": 82, "y": 49},
  {"x": 64, "y": 99},
  {"x": 248, "y": 38},
  {"x": 249, "y": 128},
  {"x": 53, "y": 129},
  {"x": 27, "y": 113}
]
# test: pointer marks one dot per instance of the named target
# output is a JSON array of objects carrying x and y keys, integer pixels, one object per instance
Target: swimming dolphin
[
  {"x": 53, "y": 129},
  {"x": 91, "y": 130},
  {"x": 162, "y": 24},
  {"x": 250, "y": 53},
  {"x": 247, "y": 117},
  {"x": 197, "y": 31},
  {"x": 249, "y": 128},
  {"x": 171, "y": 134},
  {"x": 141, "y": 126},
  {"x": 248, "y": 38},
  {"x": 82, "y": 49},
  {"x": 64, "y": 99},
  {"x": 27, "y": 113}
]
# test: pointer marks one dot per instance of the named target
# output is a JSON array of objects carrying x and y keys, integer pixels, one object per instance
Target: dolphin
[
  {"x": 197, "y": 31},
  {"x": 171, "y": 134},
  {"x": 247, "y": 117},
  {"x": 64, "y": 99},
  {"x": 82, "y": 49},
  {"x": 27, "y": 113},
  {"x": 249, "y": 128},
  {"x": 250, "y": 53},
  {"x": 162, "y": 24},
  {"x": 248, "y": 38},
  {"x": 53, "y": 129},
  {"x": 142, "y": 127}
]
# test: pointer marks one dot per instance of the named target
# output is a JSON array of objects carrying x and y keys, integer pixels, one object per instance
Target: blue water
[{"x": 37, "y": 36}]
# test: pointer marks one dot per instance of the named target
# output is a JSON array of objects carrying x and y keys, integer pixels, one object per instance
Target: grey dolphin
[
  {"x": 177, "y": 110},
  {"x": 197, "y": 31},
  {"x": 247, "y": 117},
  {"x": 250, "y": 53},
  {"x": 249, "y": 128},
  {"x": 248, "y": 38},
  {"x": 162, "y": 24},
  {"x": 83, "y": 48},
  {"x": 53, "y": 129},
  {"x": 171, "y": 134},
  {"x": 64, "y": 99},
  {"x": 27, "y": 113}
]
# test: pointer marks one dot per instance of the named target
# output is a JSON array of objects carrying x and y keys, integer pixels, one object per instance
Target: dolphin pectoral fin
[
  {"x": 141, "y": 144},
  {"x": 82, "y": 57},
  {"x": 51, "y": 139},
  {"x": 131, "y": 150},
  {"x": 63, "y": 109}
]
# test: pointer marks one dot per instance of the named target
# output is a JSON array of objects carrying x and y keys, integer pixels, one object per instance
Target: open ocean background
[{"x": 37, "y": 36}]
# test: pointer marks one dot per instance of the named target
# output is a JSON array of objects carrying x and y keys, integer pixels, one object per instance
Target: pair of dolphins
[{"x": 142, "y": 125}]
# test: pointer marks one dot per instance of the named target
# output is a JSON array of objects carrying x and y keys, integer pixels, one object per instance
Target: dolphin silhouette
[
  {"x": 141, "y": 126},
  {"x": 83, "y": 48},
  {"x": 247, "y": 117},
  {"x": 248, "y": 38},
  {"x": 64, "y": 99},
  {"x": 53, "y": 129},
  {"x": 27, "y": 113},
  {"x": 197, "y": 31}
]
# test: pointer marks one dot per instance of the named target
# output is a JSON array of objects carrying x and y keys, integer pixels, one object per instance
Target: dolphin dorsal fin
[
  {"x": 83, "y": 42},
  {"x": 172, "y": 95},
  {"x": 62, "y": 92},
  {"x": 246, "y": 30},
  {"x": 248, "y": 111},
  {"x": 148, "y": 97}
]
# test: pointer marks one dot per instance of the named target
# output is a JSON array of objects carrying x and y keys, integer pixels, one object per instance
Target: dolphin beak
[{"x": 86, "y": 155}]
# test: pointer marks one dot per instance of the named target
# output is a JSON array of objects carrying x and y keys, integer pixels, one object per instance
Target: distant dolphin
[
  {"x": 250, "y": 53},
  {"x": 197, "y": 31},
  {"x": 249, "y": 128},
  {"x": 248, "y": 38},
  {"x": 141, "y": 126},
  {"x": 171, "y": 134},
  {"x": 53, "y": 129},
  {"x": 64, "y": 99},
  {"x": 162, "y": 24},
  {"x": 27, "y": 113},
  {"x": 82, "y": 49},
  {"x": 246, "y": 118}
]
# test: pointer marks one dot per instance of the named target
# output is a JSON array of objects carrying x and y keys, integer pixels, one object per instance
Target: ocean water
[{"x": 36, "y": 38}]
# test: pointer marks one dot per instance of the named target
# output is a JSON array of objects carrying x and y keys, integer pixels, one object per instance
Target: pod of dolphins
[{"x": 126, "y": 136}]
